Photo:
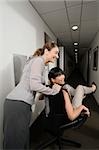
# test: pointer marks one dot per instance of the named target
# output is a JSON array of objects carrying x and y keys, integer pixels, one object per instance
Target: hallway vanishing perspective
[
  {"x": 87, "y": 135},
  {"x": 25, "y": 26}
]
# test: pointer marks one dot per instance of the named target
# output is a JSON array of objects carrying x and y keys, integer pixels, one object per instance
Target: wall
[
  {"x": 21, "y": 32},
  {"x": 69, "y": 65},
  {"x": 93, "y": 75},
  {"x": 83, "y": 67}
]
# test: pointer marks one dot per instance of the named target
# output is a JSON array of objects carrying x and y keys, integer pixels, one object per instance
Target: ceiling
[{"x": 61, "y": 15}]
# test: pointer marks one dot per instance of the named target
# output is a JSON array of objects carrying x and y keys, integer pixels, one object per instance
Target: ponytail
[
  {"x": 38, "y": 52},
  {"x": 48, "y": 46}
]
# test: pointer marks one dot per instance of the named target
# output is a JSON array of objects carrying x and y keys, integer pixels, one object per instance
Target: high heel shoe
[{"x": 93, "y": 83}]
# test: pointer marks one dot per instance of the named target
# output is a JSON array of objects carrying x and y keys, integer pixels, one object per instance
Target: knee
[{"x": 80, "y": 87}]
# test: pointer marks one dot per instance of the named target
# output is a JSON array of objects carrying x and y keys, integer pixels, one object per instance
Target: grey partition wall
[
  {"x": 61, "y": 57},
  {"x": 18, "y": 62}
]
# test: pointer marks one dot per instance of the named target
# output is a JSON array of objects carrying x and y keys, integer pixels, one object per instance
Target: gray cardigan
[{"x": 31, "y": 80}]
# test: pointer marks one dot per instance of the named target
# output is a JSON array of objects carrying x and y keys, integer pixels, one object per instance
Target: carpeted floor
[{"x": 87, "y": 135}]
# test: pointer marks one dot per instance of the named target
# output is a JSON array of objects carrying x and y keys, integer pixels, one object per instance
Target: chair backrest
[
  {"x": 57, "y": 115},
  {"x": 57, "y": 104}
]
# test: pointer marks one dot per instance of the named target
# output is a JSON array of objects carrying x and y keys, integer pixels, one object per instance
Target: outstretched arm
[
  {"x": 36, "y": 79},
  {"x": 73, "y": 113}
]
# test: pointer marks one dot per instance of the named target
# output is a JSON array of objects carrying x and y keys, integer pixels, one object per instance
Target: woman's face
[
  {"x": 52, "y": 55},
  {"x": 59, "y": 79}
]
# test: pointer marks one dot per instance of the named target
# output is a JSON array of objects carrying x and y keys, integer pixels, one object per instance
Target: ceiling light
[
  {"x": 76, "y": 50},
  {"x": 75, "y": 43},
  {"x": 75, "y": 27}
]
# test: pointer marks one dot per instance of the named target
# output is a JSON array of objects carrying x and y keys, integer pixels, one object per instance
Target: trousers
[
  {"x": 78, "y": 93},
  {"x": 17, "y": 115}
]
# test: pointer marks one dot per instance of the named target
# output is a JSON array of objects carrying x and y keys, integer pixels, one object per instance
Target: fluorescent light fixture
[
  {"x": 75, "y": 43},
  {"x": 75, "y": 27},
  {"x": 76, "y": 50}
]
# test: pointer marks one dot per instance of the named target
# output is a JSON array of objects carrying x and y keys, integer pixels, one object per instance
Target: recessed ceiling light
[
  {"x": 76, "y": 50},
  {"x": 75, "y": 27},
  {"x": 75, "y": 43}
]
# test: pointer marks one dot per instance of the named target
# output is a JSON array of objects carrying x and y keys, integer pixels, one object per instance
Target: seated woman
[{"x": 70, "y": 106}]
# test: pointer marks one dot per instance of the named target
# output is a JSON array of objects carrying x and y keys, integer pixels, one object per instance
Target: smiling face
[
  {"x": 56, "y": 75},
  {"x": 60, "y": 79},
  {"x": 52, "y": 55}
]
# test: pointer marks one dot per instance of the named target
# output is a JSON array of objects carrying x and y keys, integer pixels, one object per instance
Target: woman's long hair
[
  {"x": 40, "y": 51},
  {"x": 48, "y": 46}
]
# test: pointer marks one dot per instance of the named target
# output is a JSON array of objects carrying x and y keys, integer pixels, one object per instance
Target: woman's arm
[
  {"x": 73, "y": 113},
  {"x": 37, "y": 69}
]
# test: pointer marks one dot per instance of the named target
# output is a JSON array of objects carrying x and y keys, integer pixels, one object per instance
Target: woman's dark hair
[
  {"x": 48, "y": 46},
  {"x": 54, "y": 72}
]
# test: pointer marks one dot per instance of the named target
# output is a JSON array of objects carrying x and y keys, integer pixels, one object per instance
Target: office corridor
[{"x": 87, "y": 135}]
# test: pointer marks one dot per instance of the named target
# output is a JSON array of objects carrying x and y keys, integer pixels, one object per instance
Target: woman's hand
[
  {"x": 57, "y": 87},
  {"x": 85, "y": 111}
]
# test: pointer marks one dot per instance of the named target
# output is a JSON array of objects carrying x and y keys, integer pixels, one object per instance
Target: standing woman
[{"x": 17, "y": 106}]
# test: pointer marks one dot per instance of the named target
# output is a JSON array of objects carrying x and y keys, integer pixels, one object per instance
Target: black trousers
[{"x": 17, "y": 115}]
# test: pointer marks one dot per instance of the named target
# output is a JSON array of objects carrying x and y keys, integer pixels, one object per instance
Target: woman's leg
[
  {"x": 70, "y": 89},
  {"x": 80, "y": 93},
  {"x": 16, "y": 125},
  {"x": 88, "y": 90}
]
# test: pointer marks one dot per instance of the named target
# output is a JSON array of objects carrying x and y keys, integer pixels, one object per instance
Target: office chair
[{"x": 56, "y": 123}]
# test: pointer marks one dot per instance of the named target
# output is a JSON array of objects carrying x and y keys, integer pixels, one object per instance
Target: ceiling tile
[
  {"x": 88, "y": 31},
  {"x": 75, "y": 36},
  {"x": 74, "y": 13},
  {"x": 72, "y": 3},
  {"x": 89, "y": 11},
  {"x": 48, "y": 6},
  {"x": 57, "y": 20}
]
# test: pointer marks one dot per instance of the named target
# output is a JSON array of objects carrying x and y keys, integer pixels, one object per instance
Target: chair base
[
  {"x": 60, "y": 141},
  {"x": 69, "y": 142}
]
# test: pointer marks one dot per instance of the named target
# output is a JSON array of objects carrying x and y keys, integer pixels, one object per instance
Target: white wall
[{"x": 21, "y": 32}]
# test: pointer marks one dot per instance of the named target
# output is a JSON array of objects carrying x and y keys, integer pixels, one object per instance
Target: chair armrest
[{"x": 76, "y": 123}]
